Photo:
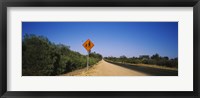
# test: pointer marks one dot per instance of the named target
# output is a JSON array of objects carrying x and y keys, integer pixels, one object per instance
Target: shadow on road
[{"x": 148, "y": 70}]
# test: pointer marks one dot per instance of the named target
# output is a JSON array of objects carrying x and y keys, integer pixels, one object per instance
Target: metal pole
[{"x": 88, "y": 60}]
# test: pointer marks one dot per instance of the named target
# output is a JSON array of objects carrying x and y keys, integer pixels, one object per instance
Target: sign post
[
  {"x": 88, "y": 46},
  {"x": 88, "y": 60}
]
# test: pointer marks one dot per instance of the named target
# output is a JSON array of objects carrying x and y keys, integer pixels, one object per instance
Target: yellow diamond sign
[{"x": 88, "y": 45}]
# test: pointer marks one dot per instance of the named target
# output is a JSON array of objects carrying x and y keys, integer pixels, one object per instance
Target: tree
[
  {"x": 166, "y": 58},
  {"x": 123, "y": 58},
  {"x": 40, "y": 57},
  {"x": 36, "y": 55},
  {"x": 144, "y": 57},
  {"x": 155, "y": 60},
  {"x": 155, "y": 56}
]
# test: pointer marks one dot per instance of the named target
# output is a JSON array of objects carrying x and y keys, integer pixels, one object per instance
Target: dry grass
[
  {"x": 152, "y": 66},
  {"x": 82, "y": 72}
]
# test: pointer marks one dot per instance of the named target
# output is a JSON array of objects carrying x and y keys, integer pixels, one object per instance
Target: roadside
[
  {"x": 83, "y": 71},
  {"x": 147, "y": 65},
  {"x": 104, "y": 68}
]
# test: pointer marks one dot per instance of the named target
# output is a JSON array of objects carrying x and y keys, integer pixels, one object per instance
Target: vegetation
[
  {"x": 40, "y": 57},
  {"x": 146, "y": 59}
]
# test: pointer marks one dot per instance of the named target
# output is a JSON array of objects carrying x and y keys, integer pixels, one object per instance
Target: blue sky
[{"x": 111, "y": 38}]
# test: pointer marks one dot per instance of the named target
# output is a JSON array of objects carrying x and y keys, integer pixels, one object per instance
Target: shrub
[
  {"x": 40, "y": 57},
  {"x": 155, "y": 60}
]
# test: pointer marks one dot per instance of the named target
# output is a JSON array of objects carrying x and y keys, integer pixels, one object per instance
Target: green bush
[
  {"x": 40, "y": 57},
  {"x": 154, "y": 60}
]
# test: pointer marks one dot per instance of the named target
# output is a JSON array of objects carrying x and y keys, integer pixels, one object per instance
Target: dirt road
[{"x": 104, "y": 68}]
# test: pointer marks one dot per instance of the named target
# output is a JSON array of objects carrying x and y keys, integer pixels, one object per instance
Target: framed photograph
[{"x": 102, "y": 48}]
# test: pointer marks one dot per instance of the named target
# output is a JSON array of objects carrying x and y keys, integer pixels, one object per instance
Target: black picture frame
[{"x": 98, "y": 3}]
